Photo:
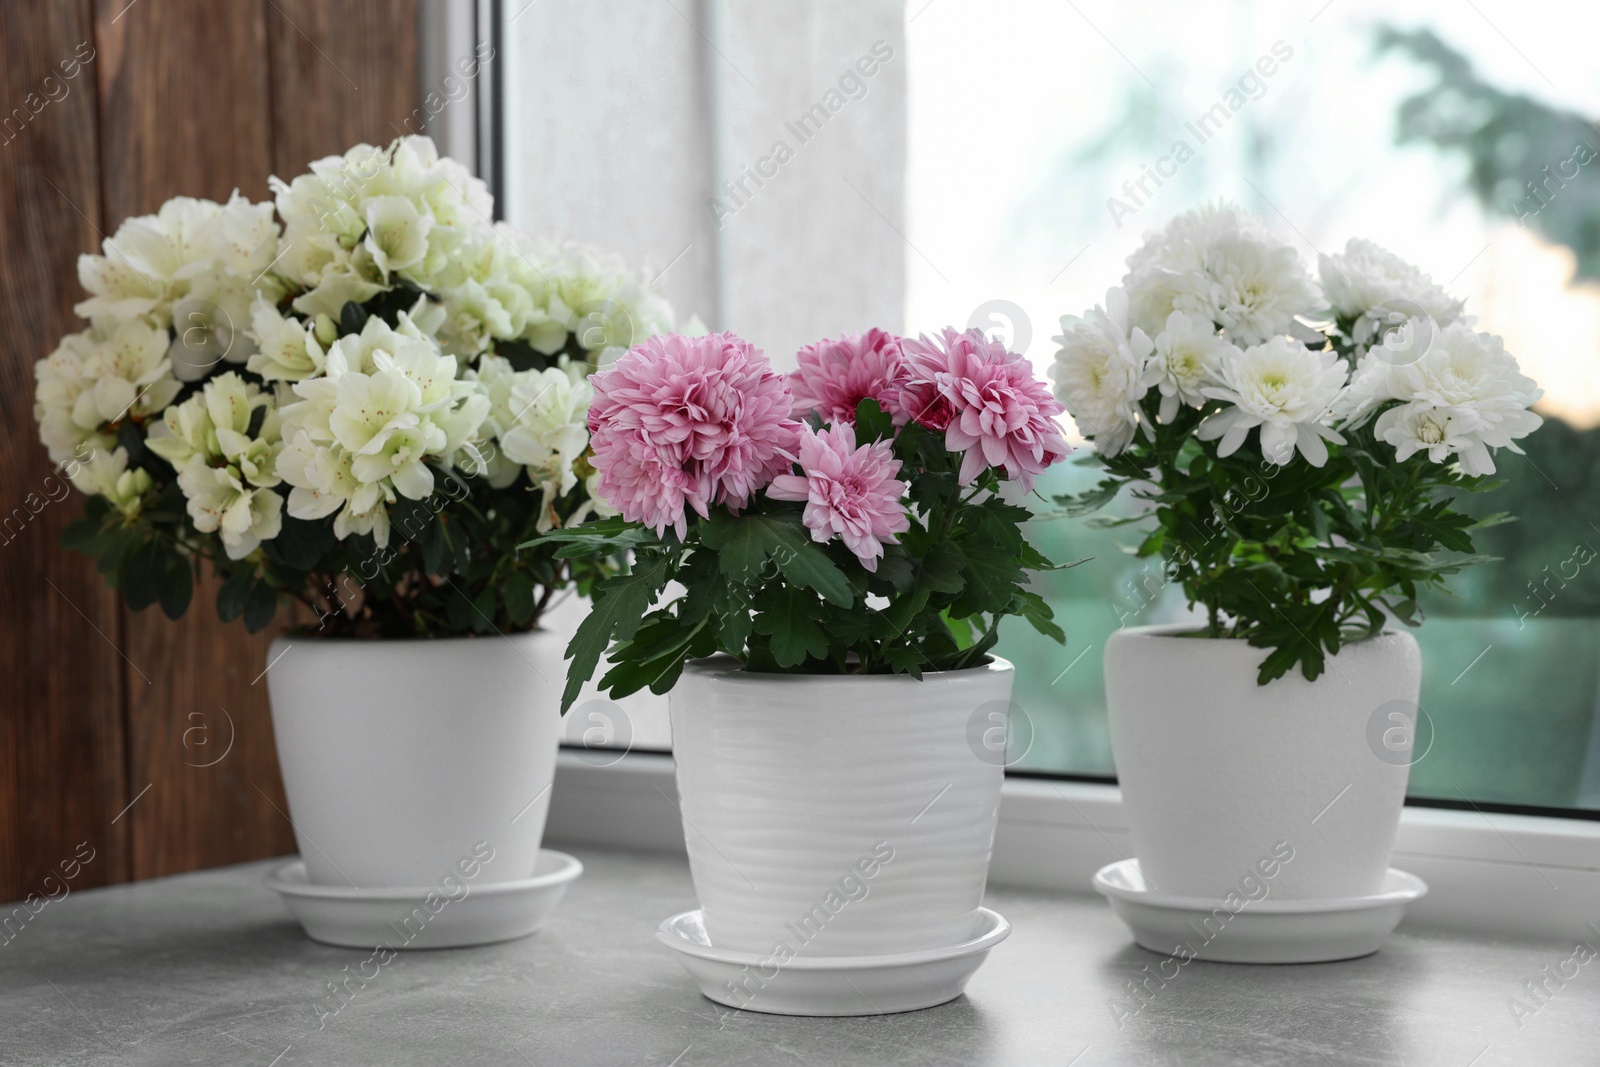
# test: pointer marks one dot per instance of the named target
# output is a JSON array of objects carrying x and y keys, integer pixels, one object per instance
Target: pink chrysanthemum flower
[
  {"x": 991, "y": 406},
  {"x": 682, "y": 422},
  {"x": 836, "y": 375},
  {"x": 848, "y": 491}
]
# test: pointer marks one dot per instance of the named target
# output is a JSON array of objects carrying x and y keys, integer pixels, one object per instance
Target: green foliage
[
  {"x": 450, "y": 566},
  {"x": 1297, "y": 559},
  {"x": 757, "y": 587}
]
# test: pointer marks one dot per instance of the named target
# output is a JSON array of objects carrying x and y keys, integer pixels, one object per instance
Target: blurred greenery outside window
[{"x": 1511, "y": 661}]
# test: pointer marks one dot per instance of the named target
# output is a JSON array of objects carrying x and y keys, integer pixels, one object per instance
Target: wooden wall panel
[
  {"x": 189, "y": 97},
  {"x": 62, "y": 775},
  {"x": 344, "y": 72},
  {"x": 184, "y": 86}
]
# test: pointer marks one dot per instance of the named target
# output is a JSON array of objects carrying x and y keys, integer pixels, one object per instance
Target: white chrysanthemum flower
[
  {"x": 1372, "y": 287},
  {"x": 1441, "y": 432},
  {"x": 1099, "y": 373},
  {"x": 1224, "y": 266},
  {"x": 1187, "y": 357},
  {"x": 1466, "y": 373},
  {"x": 1284, "y": 388}
]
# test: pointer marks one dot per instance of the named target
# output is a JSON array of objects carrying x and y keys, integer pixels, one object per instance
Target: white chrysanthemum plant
[
  {"x": 1298, "y": 446},
  {"x": 361, "y": 396}
]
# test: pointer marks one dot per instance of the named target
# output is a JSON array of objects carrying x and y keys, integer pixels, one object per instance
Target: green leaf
[
  {"x": 518, "y": 596},
  {"x": 144, "y": 574},
  {"x": 744, "y": 544},
  {"x": 82, "y": 535},
  {"x": 352, "y": 318},
  {"x": 618, "y": 610},
  {"x": 872, "y": 422},
  {"x": 483, "y": 610},
  {"x": 795, "y": 634},
  {"x": 1076, "y": 506},
  {"x": 260, "y": 607},
  {"x": 234, "y": 594},
  {"x": 178, "y": 589},
  {"x": 302, "y": 543},
  {"x": 435, "y": 546}
]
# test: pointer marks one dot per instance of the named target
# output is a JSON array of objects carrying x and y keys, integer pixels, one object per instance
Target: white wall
[{"x": 623, "y": 118}]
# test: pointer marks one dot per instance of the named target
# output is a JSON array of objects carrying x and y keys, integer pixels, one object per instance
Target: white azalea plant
[
  {"x": 361, "y": 396},
  {"x": 1299, "y": 446}
]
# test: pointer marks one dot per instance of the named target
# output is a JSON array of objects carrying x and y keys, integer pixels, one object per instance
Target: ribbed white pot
[
  {"x": 841, "y": 815},
  {"x": 1217, "y": 771},
  {"x": 398, "y": 757}
]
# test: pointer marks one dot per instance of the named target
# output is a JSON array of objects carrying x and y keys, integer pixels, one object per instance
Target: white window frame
[{"x": 1488, "y": 873}]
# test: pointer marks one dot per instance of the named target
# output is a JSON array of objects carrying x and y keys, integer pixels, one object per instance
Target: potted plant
[
  {"x": 358, "y": 399},
  {"x": 1299, "y": 452},
  {"x": 847, "y": 544}
]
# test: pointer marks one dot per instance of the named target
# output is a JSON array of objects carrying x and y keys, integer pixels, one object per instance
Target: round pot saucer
[
  {"x": 1264, "y": 931},
  {"x": 441, "y": 916},
  {"x": 829, "y": 985}
]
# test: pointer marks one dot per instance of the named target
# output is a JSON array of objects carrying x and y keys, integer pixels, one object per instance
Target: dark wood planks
[
  {"x": 184, "y": 86},
  {"x": 183, "y": 97},
  {"x": 344, "y": 72},
  {"x": 62, "y": 775}
]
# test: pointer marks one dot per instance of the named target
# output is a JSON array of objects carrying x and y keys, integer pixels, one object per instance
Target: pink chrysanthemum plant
[{"x": 855, "y": 516}]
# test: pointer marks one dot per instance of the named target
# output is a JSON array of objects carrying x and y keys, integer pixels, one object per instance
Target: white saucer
[
  {"x": 830, "y": 985},
  {"x": 1265, "y": 931},
  {"x": 407, "y": 918}
]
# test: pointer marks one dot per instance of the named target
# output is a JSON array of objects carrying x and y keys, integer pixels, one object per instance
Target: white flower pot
[
  {"x": 1217, "y": 772},
  {"x": 399, "y": 757},
  {"x": 839, "y": 815}
]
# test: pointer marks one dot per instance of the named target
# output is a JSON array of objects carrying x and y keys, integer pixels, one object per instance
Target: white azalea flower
[
  {"x": 226, "y": 472},
  {"x": 319, "y": 475},
  {"x": 219, "y": 502},
  {"x": 244, "y": 237},
  {"x": 369, "y": 408},
  {"x": 148, "y": 262},
  {"x": 1099, "y": 373},
  {"x": 546, "y": 431},
  {"x": 1371, "y": 286},
  {"x": 132, "y": 375},
  {"x": 374, "y": 215},
  {"x": 106, "y": 474},
  {"x": 62, "y": 378},
  {"x": 1188, "y": 356},
  {"x": 1224, "y": 266},
  {"x": 209, "y": 325},
  {"x": 370, "y": 429},
  {"x": 1285, "y": 389},
  {"x": 397, "y": 233},
  {"x": 286, "y": 348}
]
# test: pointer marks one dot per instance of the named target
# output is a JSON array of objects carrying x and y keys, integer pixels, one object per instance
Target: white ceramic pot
[
  {"x": 399, "y": 757},
  {"x": 840, "y": 815},
  {"x": 1217, "y": 772}
]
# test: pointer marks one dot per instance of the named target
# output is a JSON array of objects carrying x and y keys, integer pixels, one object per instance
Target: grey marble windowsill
[{"x": 209, "y": 968}]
